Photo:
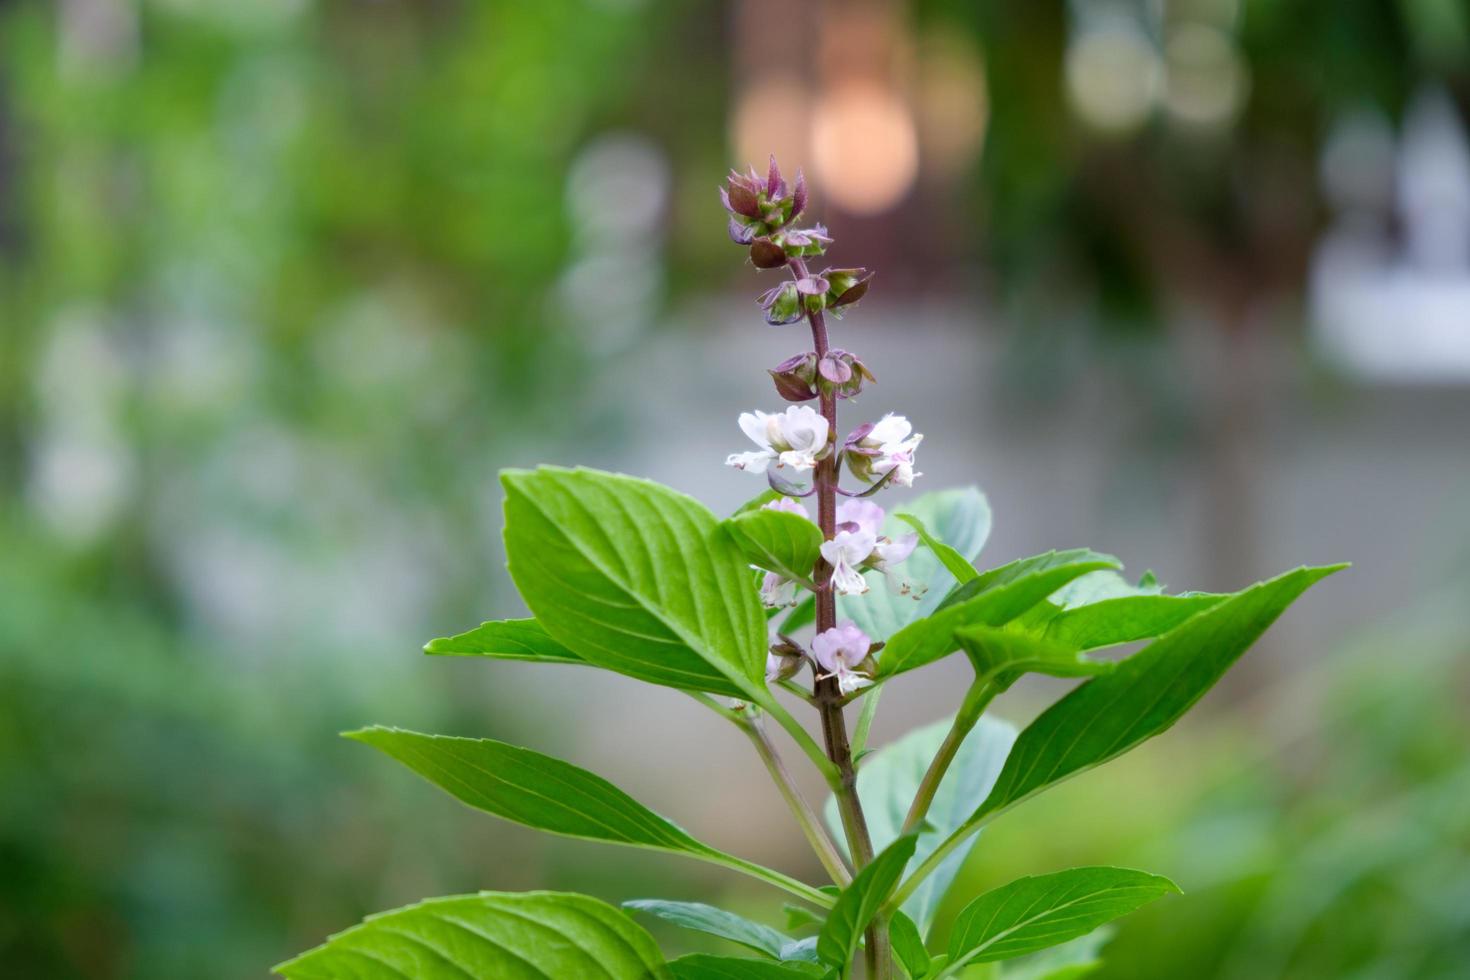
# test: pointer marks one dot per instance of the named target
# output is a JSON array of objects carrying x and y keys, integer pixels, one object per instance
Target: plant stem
[
  {"x": 826, "y": 693},
  {"x": 865, "y": 720},
  {"x": 976, "y": 699},
  {"x": 825, "y": 850},
  {"x": 803, "y": 740}
]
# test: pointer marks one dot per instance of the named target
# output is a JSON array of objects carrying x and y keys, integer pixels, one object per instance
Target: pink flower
[
  {"x": 840, "y": 651},
  {"x": 846, "y": 553}
]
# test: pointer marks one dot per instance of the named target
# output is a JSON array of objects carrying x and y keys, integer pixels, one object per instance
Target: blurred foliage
[
  {"x": 283, "y": 283},
  {"x": 275, "y": 277}
]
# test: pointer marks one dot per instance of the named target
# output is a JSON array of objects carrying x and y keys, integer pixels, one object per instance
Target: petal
[
  {"x": 753, "y": 424},
  {"x": 753, "y": 462}
]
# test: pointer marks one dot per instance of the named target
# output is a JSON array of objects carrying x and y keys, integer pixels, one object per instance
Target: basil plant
[{"x": 812, "y": 591}]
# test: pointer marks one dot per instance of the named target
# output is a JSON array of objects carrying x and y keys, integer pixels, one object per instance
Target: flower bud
[
  {"x": 806, "y": 242},
  {"x": 841, "y": 372},
  {"x": 847, "y": 286},
  {"x": 766, "y": 254},
  {"x": 741, "y": 194},
  {"x": 782, "y": 304},
  {"x": 741, "y": 233},
  {"x": 813, "y": 290},
  {"x": 795, "y": 377}
]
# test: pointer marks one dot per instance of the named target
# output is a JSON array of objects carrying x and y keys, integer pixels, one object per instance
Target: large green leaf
[
  {"x": 507, "y": 639},
  {"x": 1045, "y": 910},
  {"x": 781, "y": 542},
  {"x": 1125, "y": 619},
  {"x": 489, "y": 936},
  {"x": 959, "y": 518},
  {"x": 635, "y": 577},
  {"x": 860, "y": 901},
  {"x": 1145, "y": 694},
  {"x": 890, "y": 777},
  {"x": 548, "y": 794},
  {"x": 702, "y": 966},
  {"x": 715, "y": 922},
  {"x": 993, "y": 599}
]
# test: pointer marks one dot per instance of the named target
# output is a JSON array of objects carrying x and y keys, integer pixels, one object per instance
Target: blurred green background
[{"x": 284, "y": 284}]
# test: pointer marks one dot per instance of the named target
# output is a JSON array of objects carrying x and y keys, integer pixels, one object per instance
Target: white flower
[
  {"x": 888, "y": 553},
  {"x": 796, "y": 438},
  {"x": 778, "y": 591},
  {"x": 839, "y": 651},
  {"x": 883, "y": 447},
  {"x": 846, "y": 553},
  {"x": 867, "y": 515}
]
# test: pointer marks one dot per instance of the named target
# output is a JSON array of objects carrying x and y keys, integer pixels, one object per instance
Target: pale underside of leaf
[
  {"x": 890, "y": 777},
  {"x": 715, "y": 922}
]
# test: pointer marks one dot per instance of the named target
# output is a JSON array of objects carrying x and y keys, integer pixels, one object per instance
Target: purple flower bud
[
  {"x": 812, "y": 286},
  {"x": 766, "y": 254},
  {"x": 798, "y": 196},
  {"x": 775, "y": 186},
  {"x": 741, "y": 233},
  {"x": 842, "y": 373},
  {"x": 834, "y": 370},
  {"x": 782, "y": 304},
  {"x": 858, "y": 435},
  {"x": 795, "y": 377},
  {"x": 848, "y": 286},
  {"x": 741, "y": 195}
]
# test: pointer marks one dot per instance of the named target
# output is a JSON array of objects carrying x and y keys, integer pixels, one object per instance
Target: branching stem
[
  {"x": 822, "y": 844},
  {"x": 976, "y": 699}
]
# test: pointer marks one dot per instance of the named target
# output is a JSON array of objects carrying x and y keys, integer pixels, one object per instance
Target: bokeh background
[{"x": 284, "y": 284}]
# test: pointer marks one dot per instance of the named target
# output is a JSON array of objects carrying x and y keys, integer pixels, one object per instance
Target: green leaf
[
  {"x": 1145, "y": 694},
  {"x": 758, "y": 501},
  {"x": 1079, "y": 957},
  {"x": 908, "y": 945},
  {"x": 1126, "y": 619},
  {"x": 954, "y": 562},
  {"x": 507, "y": 639},
  {"x": 1002, "y": 656},
  {"x": 548, "y": 794},
  {"x": 1045, "y": 910},
  {"x": 715, "y": 922},
  {"x": 992, "y": 599},
  {"x": 799, "y": 916},
  {"x": 780, "y": 542},
  {"x": 702, "y": 966},
  {"x": 889, "y": 779},
  {"x": 489, "y": 936},
  {"x": 801, "y": 951},
  {"x": 860, "y": 901},
  {"x": 962, "y": 518},
  {"x": 635, "y": 577}
]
